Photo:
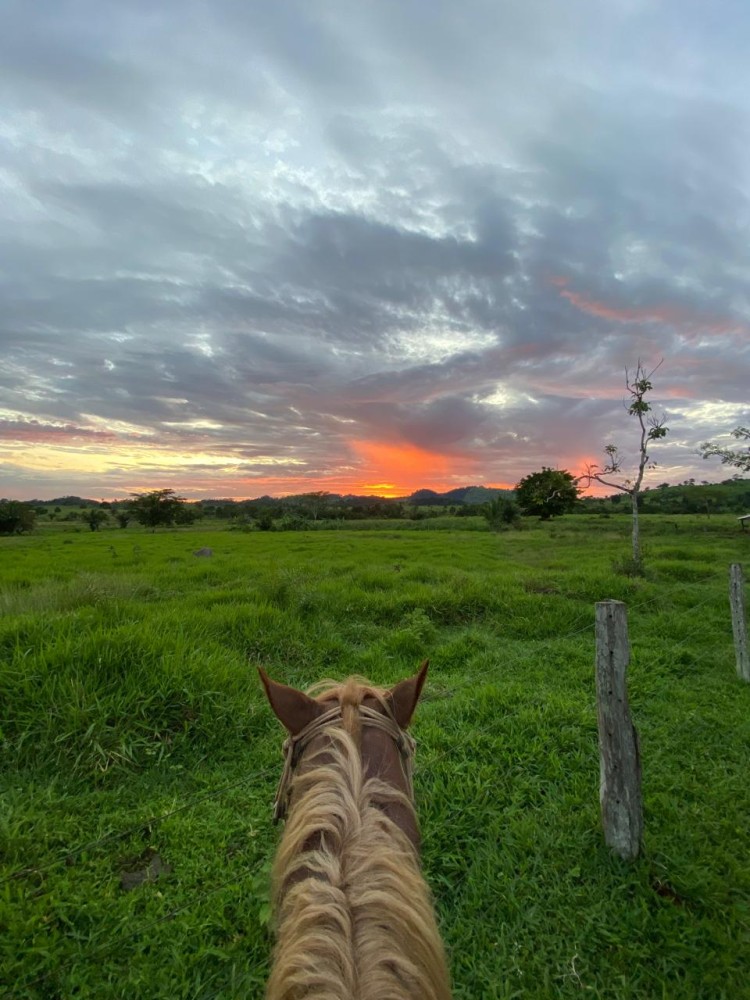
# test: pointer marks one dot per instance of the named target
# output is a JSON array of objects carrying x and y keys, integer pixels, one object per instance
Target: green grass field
[{"x": 139, "y": 759}]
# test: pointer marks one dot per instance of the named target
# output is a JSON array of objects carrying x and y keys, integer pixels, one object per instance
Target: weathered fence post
[
  {"x": 739, "y": 629},
  {"x": 620, "y": 764}
]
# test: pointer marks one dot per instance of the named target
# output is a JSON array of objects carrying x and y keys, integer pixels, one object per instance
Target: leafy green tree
[
  {"x": 94, "y": 517},
  {"x": 265, "y": 520},
  {"x": 392, "y": 510},
  {"x": 187, "y": 513},
  {"x": 156, "y": 508},
  {"x": 739, "y": 458},
  {"x": 293, "y": 522},
  {"x": 547, "y": 494},
  {"x": 227, "y": 511},
  {"x": 500, "y": 513},
  {"x": 314, "y": 505},
  {"x": 651, "y": 428},
  {"x": 16, "y": 517}
]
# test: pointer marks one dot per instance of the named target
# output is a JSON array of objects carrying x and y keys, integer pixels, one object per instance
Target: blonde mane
[{"x": 354, "y": 917}]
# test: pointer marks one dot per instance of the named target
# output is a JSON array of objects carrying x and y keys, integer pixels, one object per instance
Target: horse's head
[{"x": 377, "y": 720}]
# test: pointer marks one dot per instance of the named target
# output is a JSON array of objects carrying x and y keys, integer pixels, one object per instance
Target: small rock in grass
[{"x": 149, "y": 867}]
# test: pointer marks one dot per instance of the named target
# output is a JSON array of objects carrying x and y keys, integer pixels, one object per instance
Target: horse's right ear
[
  {"x": 405, "y": 695},
  {"x": 294, "y": 709}
]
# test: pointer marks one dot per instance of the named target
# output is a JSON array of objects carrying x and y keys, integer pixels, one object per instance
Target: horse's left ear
[
  {"x": 293, "y": 708},
  {"x": 405, "y": 695}
]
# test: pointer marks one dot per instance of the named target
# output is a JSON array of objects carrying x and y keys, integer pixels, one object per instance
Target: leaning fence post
[
  {"x": 739, "y": 629},
  {"x": 620, "y": 765}
]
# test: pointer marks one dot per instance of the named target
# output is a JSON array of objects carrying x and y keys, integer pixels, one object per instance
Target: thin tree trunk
[{"x": 636, "y": 530}]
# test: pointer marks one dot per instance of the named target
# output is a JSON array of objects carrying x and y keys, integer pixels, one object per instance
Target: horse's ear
[
  {"x": 294, "y": 709},
  {"x": 405, "y": 695}
]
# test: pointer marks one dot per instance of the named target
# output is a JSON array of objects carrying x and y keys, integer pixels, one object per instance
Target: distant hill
[
  {"x": 462, "y": 494},
  {"x": 66, "y": 502}
]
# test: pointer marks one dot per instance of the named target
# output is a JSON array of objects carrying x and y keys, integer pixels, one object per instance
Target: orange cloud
[{"x": 400, "y": 462}]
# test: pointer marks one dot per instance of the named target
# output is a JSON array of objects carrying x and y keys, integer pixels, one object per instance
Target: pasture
[{"x": 139, "y": 757}]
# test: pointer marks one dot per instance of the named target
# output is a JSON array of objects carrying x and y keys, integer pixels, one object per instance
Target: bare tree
[
  {"x": 651, "y": 428},
  {"x": 740, "y": 459},
  {"x": 314, "y": 504}
]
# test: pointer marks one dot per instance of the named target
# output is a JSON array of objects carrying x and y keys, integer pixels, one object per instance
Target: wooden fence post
[
  {"x": 739, "y": 629},
  {"x": 620, "y": 764}
]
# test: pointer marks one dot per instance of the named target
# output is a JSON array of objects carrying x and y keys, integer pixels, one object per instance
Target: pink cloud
[{"x": 686, "y": 324}]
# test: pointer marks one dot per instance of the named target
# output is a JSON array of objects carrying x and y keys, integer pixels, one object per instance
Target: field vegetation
[{"x": 138, "y": 758}]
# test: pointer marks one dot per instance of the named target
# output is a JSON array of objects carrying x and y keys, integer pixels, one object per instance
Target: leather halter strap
[{"x": 294, "y": 747}]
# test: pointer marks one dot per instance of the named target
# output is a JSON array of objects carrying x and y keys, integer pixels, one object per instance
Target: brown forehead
[{"x": 350, "y": 696}]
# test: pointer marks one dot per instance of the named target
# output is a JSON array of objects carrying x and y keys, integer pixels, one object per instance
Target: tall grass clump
[{"x": 127, "y": 697}]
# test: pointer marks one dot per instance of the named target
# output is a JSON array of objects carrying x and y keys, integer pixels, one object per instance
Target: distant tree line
[{"x": 545, "y": 494}]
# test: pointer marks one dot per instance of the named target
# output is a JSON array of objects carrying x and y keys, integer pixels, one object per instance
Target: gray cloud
[{"x": 264, "y": 233}]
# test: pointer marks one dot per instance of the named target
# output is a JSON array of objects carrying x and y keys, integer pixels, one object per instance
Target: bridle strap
[
  {"x": 292, "y": 749},
  {"x": 404, "y": 741},
  {"x": 294, "y": 746}
]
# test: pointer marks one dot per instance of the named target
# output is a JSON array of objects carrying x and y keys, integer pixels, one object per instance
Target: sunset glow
[{"x": 405, "y": 467}]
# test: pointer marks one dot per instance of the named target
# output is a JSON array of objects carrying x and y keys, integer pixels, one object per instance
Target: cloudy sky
[{"x": 255, "y": 247}]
